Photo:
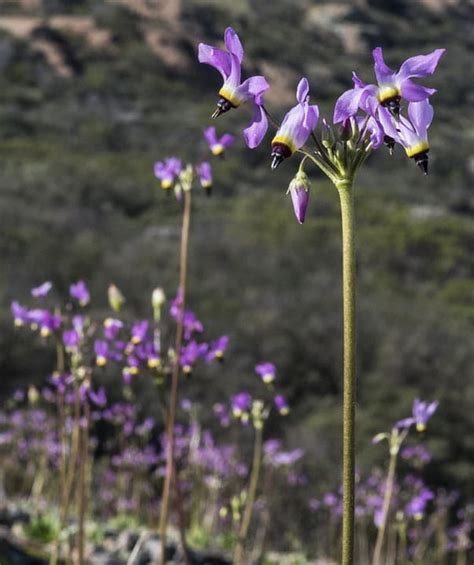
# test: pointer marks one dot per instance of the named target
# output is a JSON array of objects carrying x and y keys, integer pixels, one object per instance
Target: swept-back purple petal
[
  {"x": 302, "y": 90},
  {"x": 347, "y": 104},
  {"x": 227, "y": 139},
  {"x": 415, "y": 92},
  {"x": 421, "y": 115},
  {"x": 254, "y": 87},
  {"x": 388, "y": 124},
  {"x": 420, "y": 65},
  {"x": 215, "y": 57},
  {"x": 311, "y": 117},
  {"x": 257, "y": 128},
  {"x": 233, "y": 43},
  {"x": 382, "y": 72},
  {"x": 358, "y": 83},
  {"x": 210, "y": 135}
]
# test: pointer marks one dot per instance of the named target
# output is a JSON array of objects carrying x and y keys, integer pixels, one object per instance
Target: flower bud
[
  {"x": 186, "y": 178},
  {"x": 299, "y": 192},
  {"x": 158, "y": 298},
  {"x": 116, "y": 298}
]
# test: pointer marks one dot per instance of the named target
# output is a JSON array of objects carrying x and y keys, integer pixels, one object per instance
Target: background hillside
[{"x": 93, "y": 92}]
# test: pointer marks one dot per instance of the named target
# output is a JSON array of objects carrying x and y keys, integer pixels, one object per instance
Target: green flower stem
[
  {"x": 183, "y": 264},
  {"x": 346, "y": 197},
  {"x": 251, "y": 495},
  {"x": 386, "y": 507}
]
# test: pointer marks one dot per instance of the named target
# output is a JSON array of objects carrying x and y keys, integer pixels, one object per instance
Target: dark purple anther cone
[
  {"x": 393, "y": 105},
  {"x": 390, "y": 143},
  {"x": 223, "y": 106},
  {"x": 280, "y": 151},
  {"x": 422, "y": 161}
]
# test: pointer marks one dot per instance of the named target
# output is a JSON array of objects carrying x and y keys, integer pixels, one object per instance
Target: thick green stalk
[
  {"x": 251, "y": 495},
  {"x": 344, "y": 188}
]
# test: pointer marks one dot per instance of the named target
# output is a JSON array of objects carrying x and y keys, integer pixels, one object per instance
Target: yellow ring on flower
[
  {"x": 230, "y": 97},
  {"x": 217, "y": 149},
  {"x": 387, "y": 92},
  {"x": 285, "y": 140},
  {"x": 165, "y": 184},
  {"x": 415, "y": 150}
]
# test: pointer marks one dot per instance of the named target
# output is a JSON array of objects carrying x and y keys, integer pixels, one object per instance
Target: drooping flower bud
[{"x": 299, "y": 192}]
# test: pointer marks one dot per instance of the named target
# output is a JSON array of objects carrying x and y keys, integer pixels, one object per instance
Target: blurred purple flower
[
  {"x": 204, "y": 172},
  {"x": 217, "y": 348},
  {"x": 71, "y": 340},
  {"x": 20, "y": 313},
  {"x": 99, "y": 398},
  {"x": 112, "y": 327},
  {"x": 266, "y": 371},
  {"x": 217, "y": 145},
  {"x": 422, "y": 412},
  {"x": 139, "y": 331},
  {"x": 101, "y": 349},
  {"x": 167, "y": 171},
  {"x": 281, "y": 404},
  {"x": 80, "y": 292},
  {"x": 41, "y": 290},
  {"x": 241, "y": 403}
]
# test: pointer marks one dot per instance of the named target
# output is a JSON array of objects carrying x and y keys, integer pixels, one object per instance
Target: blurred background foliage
[{"x": 93, "y": 92}]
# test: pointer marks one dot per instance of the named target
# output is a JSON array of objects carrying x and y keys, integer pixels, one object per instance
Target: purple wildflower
[
  {"x": 98, "y": 398},
  {"x": 191, "y": 324},
  {"x": 47, "y": 322},
  {"x": 412, "y": 133},
  {"x": 41, "y": 290},
  {"x": 71, "y": 340},
  {"x": 281, "y": 404},
  {"x": 233, "y": 93},
  {"x": 190, "y": 353},
  {"x": 204, "y": 171},
  {"x": 217, "y": 348},
  {"x": 112, "y": 327},
  {"x": 422, "y": 412},
  {"x": 417, "y": 505},
  {"x": 101, "y": 349},
  {"x": 217, "y": 145},
  {"x": 20, "y": 314},
  {"x": 167, "y": 171},
  {"x": 391, "y": 86},
  {"x": 241, "y": 403},
  {"x": 80, "y": 292},
  {"x": 139, "y": 331},
  {"x": 296, "y": 126},
  {"x": 266, "y": 371}
]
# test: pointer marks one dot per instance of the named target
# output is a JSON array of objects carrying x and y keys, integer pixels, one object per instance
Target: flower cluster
[{"x": 365, "y": 117}]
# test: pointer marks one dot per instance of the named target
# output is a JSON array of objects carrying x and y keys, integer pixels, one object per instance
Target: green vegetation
[{"x": 78, "y": 200}]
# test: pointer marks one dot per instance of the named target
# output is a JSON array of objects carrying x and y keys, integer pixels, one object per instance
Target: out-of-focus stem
[
  {"x": 82, "y": 479},
  {"x": 389, "y": 483},
  {"x": 170, "y": 444},
  {"x": 346, "y": 197},
  {"x": 250, "y": 500}
]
